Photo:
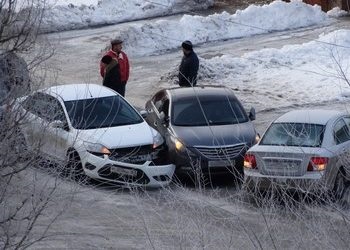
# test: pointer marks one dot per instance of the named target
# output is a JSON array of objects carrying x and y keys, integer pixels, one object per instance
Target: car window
[
  {"x": 101, "y": 112},
  {"x": 194, "y": 112},
  {"x": 294, "y": 134},
  {"x": 347, "y": 121},
  {"x": 164, "y": 107},
  {"x": 44, "y": 106},
  {"x": 53, "y": 110},
  {"x": 341, "y": 132},
  {"x": 33, "y": 103}
]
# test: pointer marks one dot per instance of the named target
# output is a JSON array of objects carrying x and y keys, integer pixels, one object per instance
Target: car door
[
  {"x": 57, "y": 132},
  {"x": 158, "y": 109},
  {"x": 342, "y": 138},
  {"x": 34, "y": 127},
  {"x": 152, "y": 108}
]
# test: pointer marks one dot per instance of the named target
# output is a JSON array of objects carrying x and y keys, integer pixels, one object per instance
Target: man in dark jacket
[{"x": 189, "y": 66}]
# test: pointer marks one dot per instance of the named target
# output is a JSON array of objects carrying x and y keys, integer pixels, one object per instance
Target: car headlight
[
  {"x": 157, "y": 140},
  {"x": 178, "y": 144},
  {"x": 96, "y": 149}
]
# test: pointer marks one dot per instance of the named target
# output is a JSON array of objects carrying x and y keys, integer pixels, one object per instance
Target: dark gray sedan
[{"x": 206, "y": 128}]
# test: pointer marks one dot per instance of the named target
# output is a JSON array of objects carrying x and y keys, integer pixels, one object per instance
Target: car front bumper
[
  {"x": 309, "y": 182},
  {"x": 147, "y": 174},
  {"x": 191, "y": 163}
]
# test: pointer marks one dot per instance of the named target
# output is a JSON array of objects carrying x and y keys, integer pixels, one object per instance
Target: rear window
[
  {"x": 294, "y": 134},
  {"x": 195, "y": 112}
]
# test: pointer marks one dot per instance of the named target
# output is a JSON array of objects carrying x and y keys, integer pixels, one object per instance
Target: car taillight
[
  {"x": 249, "y": 161},
  {"x": 317, "y": 164}
]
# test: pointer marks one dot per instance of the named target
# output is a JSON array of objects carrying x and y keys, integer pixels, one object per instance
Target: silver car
[{"x": 307, "y": 150}]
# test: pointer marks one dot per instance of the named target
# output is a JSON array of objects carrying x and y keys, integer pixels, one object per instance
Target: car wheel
[
  {"x": 75, "y": 167},
  {"x": 340, "y": 186}
]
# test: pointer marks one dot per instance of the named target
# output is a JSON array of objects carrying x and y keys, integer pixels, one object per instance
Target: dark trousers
[{"x": 120, "y": 88}]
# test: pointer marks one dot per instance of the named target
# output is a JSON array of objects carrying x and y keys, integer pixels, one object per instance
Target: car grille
[
  {"x": 223, "y": 153},
  {"x": 136, "y": 155}
]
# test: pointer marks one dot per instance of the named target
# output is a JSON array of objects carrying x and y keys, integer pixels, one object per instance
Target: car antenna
[{"x": 90, "y": 92}]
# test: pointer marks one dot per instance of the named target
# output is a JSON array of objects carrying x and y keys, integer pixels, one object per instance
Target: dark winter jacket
[
  {"x": 112, "y": 75},
  {"x": 188, "y": 70},
  {"x": 123, "y": 65}
]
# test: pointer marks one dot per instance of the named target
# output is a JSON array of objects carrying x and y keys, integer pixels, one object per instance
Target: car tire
[
  {"x": 340, "y": 186},
  {"x": 74, "y": 167}
]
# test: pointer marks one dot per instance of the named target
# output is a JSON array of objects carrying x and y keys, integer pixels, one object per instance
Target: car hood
[
  {"x": 121, "y": 136},
  {"x": 214, "y": 135}
]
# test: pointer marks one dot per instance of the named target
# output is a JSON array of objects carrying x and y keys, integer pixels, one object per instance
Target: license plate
[
  {"x": 124, "y": 171},
  {"x": 213, "y": 164}
]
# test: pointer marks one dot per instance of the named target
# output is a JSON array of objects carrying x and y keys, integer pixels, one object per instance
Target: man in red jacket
[{"x": 117, "y": 53}]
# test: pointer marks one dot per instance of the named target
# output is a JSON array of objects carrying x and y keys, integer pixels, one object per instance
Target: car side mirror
[
  {"x": 143, "y": 113},
  {"x": 252, "y": 115},
  {"x": 59, "y": 124}
]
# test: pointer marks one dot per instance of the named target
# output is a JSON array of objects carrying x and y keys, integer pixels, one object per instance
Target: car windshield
[
  {"x": 101, "y": 112},
  {"x": 192, "y": 112},
  {"x": 294, "y": 134}
]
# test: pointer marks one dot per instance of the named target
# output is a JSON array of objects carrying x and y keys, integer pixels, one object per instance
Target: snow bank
[
  {"x": 275, "y": 78},
  {"x": 292, "y": 75},
  {"x": 70, "y": 16},
  {"x": 337, "y": 12},
  {"x": 155, "y": 37}
]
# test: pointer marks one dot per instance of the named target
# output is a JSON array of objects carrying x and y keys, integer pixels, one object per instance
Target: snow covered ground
[{"x": 270, "y": 78}]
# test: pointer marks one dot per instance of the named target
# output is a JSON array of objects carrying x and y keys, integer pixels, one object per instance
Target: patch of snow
[{"x": 337, "y": 12}]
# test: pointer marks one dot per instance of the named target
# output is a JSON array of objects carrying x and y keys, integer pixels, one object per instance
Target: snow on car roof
[
  {"x": 315, "y": 116},
  {"x": 71, "y": 92}
]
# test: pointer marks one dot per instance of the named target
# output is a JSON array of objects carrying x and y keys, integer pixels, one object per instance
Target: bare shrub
[{"x": 26, "y": 194}]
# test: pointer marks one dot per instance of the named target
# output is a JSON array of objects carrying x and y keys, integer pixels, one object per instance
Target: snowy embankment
[
  {"x": 65, "y": 15},
  {"x": 313, "y": 72},
  {"x": 159, "y": 36}
]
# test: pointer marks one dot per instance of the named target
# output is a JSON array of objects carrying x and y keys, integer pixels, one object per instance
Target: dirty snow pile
[
  {"x": 313, "y": 72},
  {"x": 294, "y": 74},
  {"x": 159, "y": 36},
  {"x": 77, "y": 14}
]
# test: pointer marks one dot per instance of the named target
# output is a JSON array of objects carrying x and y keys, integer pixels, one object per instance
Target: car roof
[
  {"x": 69, "y": 92},
  {"x": 201, "y": 91},
  {"x": 313, "y": 116}
]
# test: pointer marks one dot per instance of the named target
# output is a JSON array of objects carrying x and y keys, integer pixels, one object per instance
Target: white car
[
  {"x": 97, "y": 132},
  {"x": 307, "y": 150}
]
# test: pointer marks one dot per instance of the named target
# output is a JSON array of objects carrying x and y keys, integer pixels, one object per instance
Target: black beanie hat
[{"x": 187, "y": 45}]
